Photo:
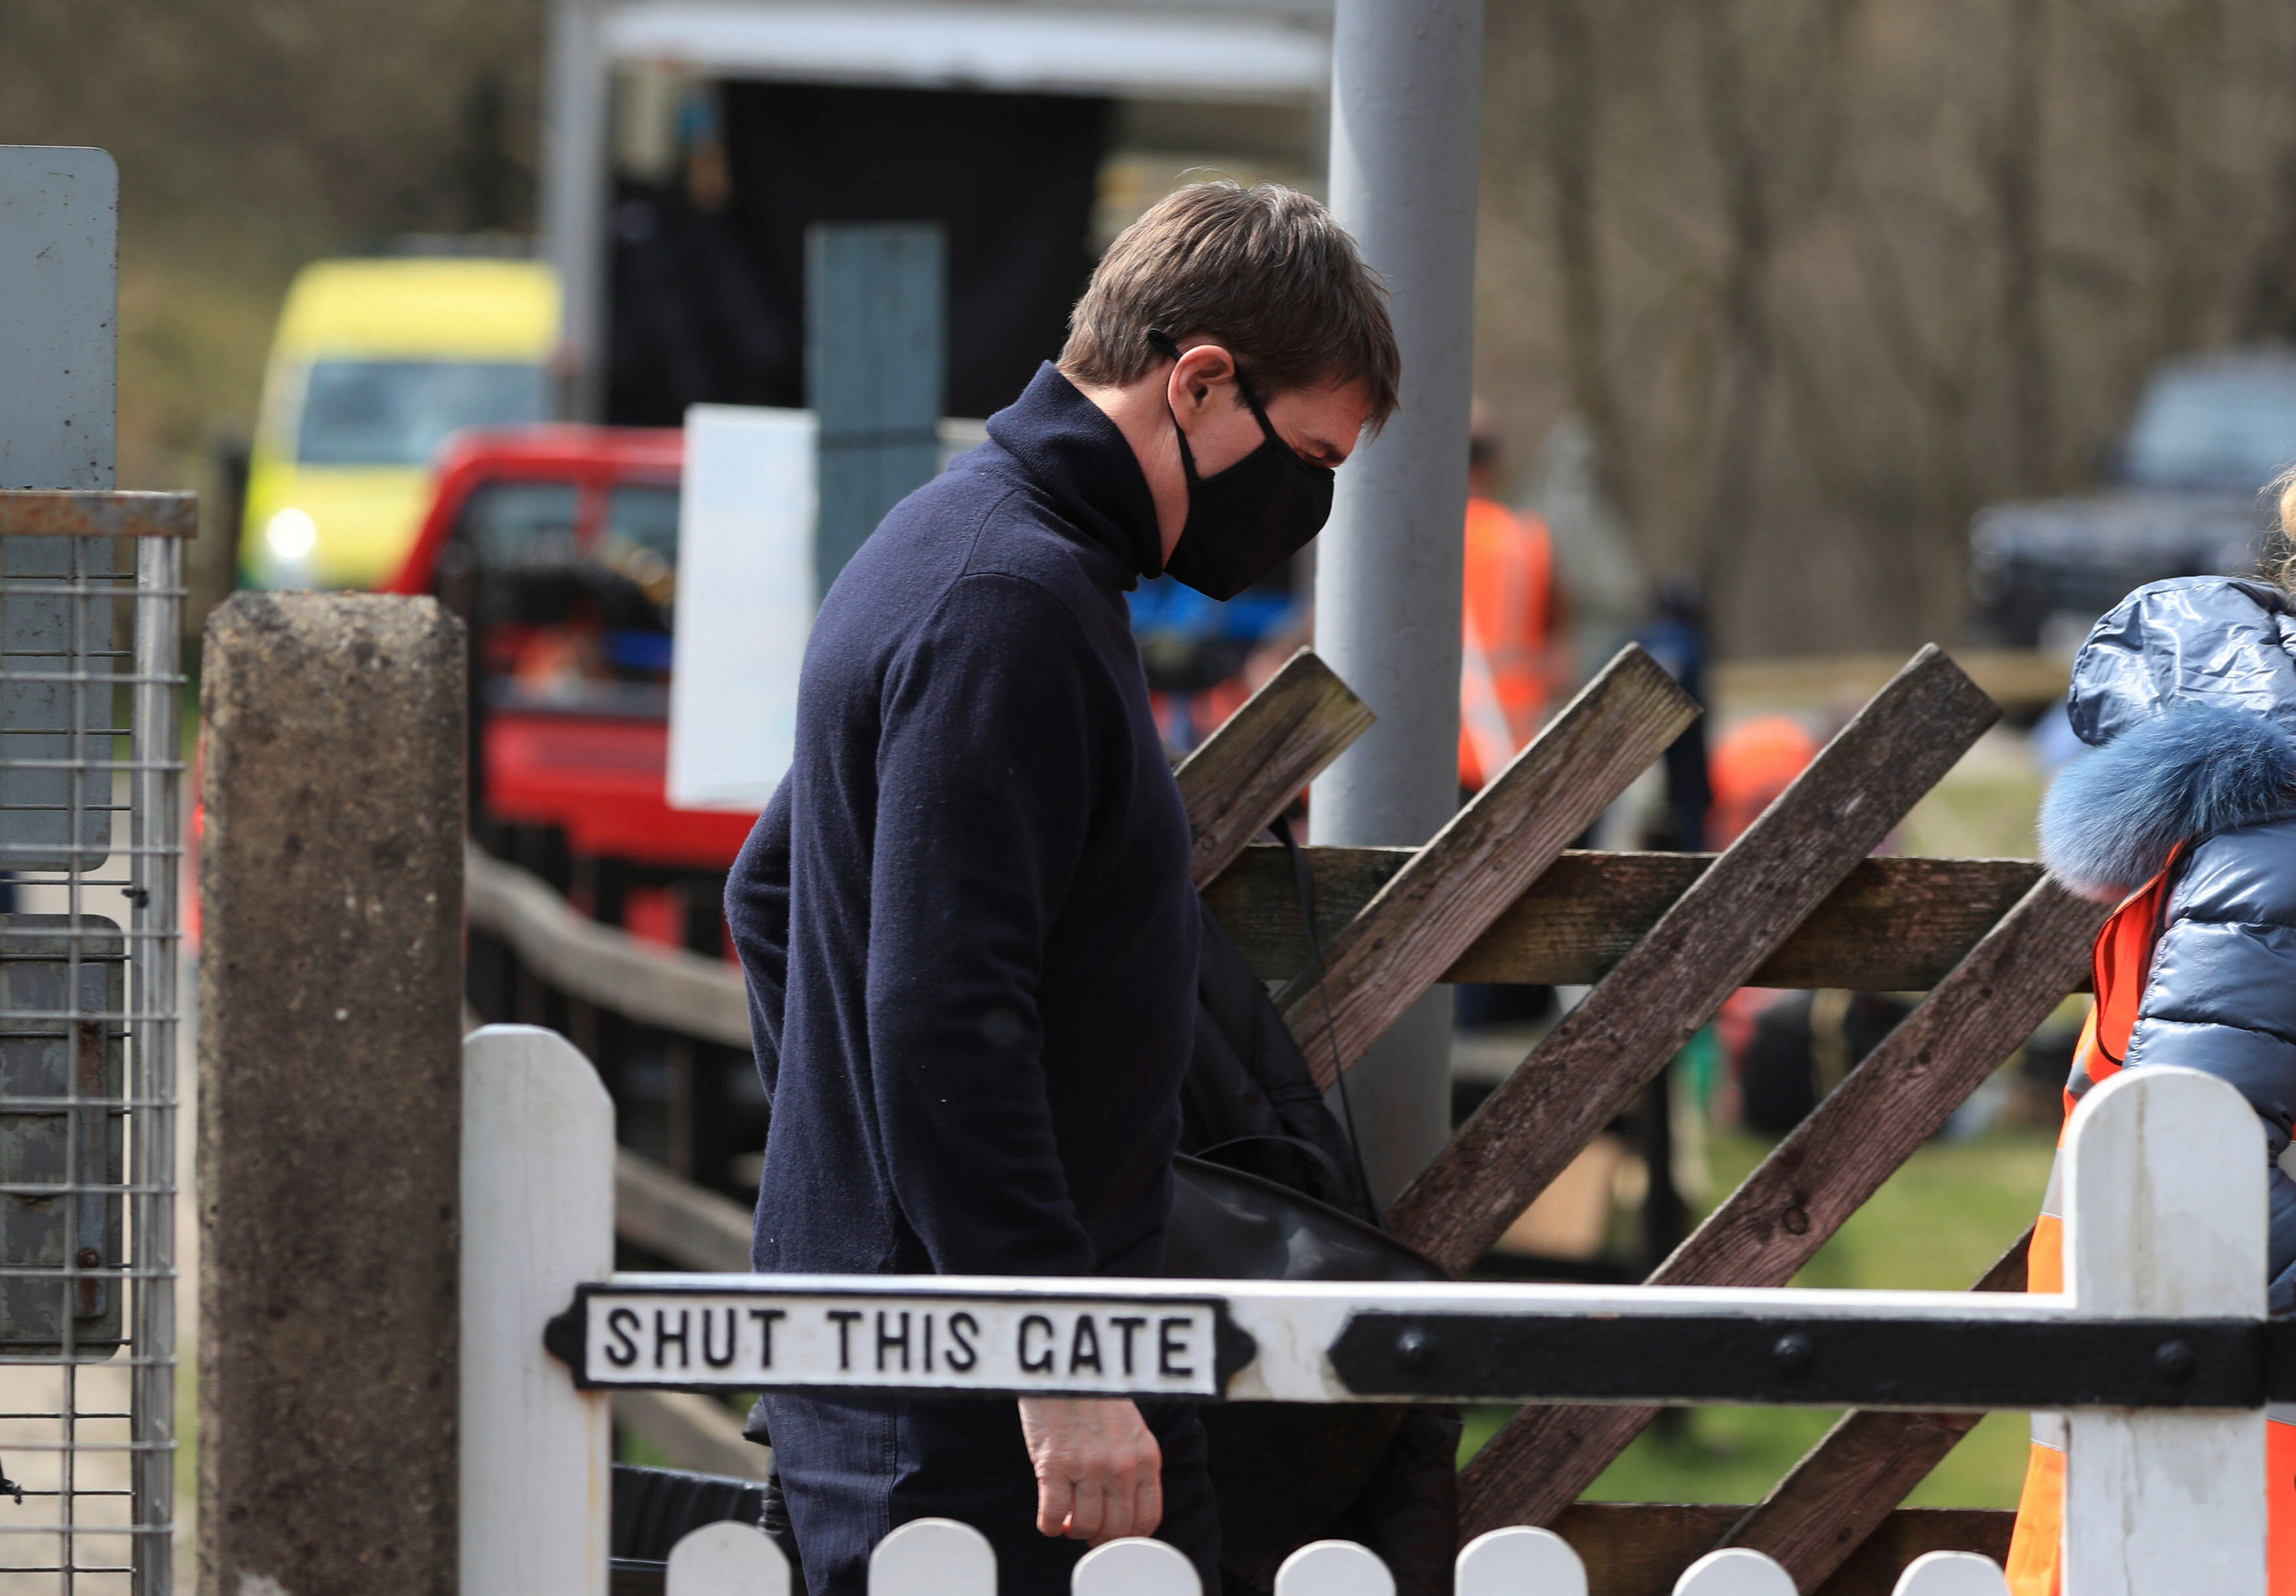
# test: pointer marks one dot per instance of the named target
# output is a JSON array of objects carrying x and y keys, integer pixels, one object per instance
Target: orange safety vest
[
  {"x": 1754, "y": 763},
  {"x": 1507, "y": 656},
  {"x": 2123, "y": 962}
]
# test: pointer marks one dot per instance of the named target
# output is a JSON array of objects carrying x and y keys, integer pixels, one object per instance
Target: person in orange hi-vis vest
[
  {"x": 2186, "y": 816},
  {"x": 1754, "y": 762},
  {"x": 1511, "y": 659}
]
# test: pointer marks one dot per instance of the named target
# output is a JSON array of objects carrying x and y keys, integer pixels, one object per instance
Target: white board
[{"x": 745, "y": 601}]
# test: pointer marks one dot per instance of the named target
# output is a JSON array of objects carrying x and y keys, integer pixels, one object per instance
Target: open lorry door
[{"x": 689, "y": 145}]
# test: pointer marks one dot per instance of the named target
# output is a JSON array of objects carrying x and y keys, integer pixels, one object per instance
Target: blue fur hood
[{"x": 2188, "y": 690}]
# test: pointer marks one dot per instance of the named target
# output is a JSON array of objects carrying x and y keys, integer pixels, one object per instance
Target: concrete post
[
  {"x": 1407, "y": 86},
  {"x": 330, "y": 1099}
]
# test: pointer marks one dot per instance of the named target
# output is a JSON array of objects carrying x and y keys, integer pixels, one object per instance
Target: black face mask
[{"x": 1248, "y": 520}]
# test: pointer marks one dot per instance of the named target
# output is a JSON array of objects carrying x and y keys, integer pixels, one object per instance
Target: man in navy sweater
[{"x": 965, "y": 916}]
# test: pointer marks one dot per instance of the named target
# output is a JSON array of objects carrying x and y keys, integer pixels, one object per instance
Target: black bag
[
  {"x": 653, "y": 1508},
  {"x": 1288, "y": 1473},
  {"x": 1273, "y": 1190}
]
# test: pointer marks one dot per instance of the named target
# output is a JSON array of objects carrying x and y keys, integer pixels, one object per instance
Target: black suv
[{"x": 2183, "y": 496}]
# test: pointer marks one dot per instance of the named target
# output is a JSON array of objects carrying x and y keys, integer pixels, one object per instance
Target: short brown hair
[{"x": 1264, "y": 271}]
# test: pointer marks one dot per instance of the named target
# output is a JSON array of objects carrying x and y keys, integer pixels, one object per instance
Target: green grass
[
  {"x": 1985, "y": 808},
  {"x": 1935, "y": 1225}
]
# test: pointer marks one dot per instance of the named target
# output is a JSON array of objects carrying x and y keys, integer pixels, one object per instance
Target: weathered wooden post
[{"x": 330, "y": 1099}]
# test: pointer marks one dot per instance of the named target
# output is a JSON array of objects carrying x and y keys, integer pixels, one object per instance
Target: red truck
[{"x": 558, "y": 547}]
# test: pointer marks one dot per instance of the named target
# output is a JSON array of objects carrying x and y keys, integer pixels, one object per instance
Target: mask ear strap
[{"x": 1161, "y": 342}]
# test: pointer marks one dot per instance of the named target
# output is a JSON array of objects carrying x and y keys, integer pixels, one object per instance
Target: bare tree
[
  {"x": 1844, "y": 270},
  {"x": 2017, "y": 198},
  {"x": 1573, "y": 128}
]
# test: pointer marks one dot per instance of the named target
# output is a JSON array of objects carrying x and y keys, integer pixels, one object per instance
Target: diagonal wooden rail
[
  {"x": 1703, "y": 948},
  {"x": 1845, "y": 1489},
  {"x": 1812, "y": 1182},
  {"x": 1430, "y": 911},
  {"x": 1245, "y": 773}
]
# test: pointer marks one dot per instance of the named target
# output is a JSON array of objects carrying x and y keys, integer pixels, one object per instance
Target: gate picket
[
  {"x": 939, "y": 1555},
  {"x": 1135, "y": 1566},
  {"x": 538, "y": 1219},
  {"x": 2154, "y": 1229},
  {"x": 1733, "y": 1572},
  {"x": 1334, "y": 1568},
  {"x": 1952, "y": 1573},
  {"x": 1520, "y": 1561},
  {"x": 727, "y": 1559}
]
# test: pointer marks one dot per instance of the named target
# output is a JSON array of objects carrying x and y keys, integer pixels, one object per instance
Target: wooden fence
[
  {"x": 2160, "y": 1353},
  {"x": 1662, "y": 939}
]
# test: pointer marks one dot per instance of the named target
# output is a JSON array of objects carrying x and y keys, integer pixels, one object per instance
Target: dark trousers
[{"x": 854, "y": 1469}]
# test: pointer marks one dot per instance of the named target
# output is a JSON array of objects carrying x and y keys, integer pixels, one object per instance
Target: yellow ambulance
[{"x": 373, "y": 364}]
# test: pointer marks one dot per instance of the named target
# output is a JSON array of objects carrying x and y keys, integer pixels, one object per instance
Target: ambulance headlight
[{"x": 290, "y": 536}]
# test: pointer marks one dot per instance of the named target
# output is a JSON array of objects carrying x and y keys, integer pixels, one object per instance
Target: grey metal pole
[
  {"x": 1406, "y": 88},
  {"x": 572, "y": 201}
]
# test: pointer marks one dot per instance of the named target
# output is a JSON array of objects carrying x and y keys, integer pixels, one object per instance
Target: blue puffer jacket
[{"x": 2187, "y": 691}]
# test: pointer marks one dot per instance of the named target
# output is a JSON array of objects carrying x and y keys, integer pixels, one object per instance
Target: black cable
[{"x": 1304, "y": 880}]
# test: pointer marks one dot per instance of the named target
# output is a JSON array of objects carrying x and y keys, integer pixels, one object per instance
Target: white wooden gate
[{"x": 2160, "y": 1352}]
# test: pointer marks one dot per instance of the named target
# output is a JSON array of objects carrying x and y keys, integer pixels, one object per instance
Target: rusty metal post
[{"x": 330, "y": 1099}]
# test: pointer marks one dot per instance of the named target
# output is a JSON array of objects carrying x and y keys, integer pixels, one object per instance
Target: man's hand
[{"x": 1100, "y": 1474}]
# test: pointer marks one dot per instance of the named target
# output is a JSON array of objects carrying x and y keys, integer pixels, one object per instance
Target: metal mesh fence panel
[{"x": 91, "y": 856}]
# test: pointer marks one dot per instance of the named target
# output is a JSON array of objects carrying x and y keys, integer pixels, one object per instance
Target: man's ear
[{"x": 1196, "y": 373}]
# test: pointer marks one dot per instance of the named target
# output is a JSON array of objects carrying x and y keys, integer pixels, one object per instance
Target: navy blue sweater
[{"x": 965, "y": 916}]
